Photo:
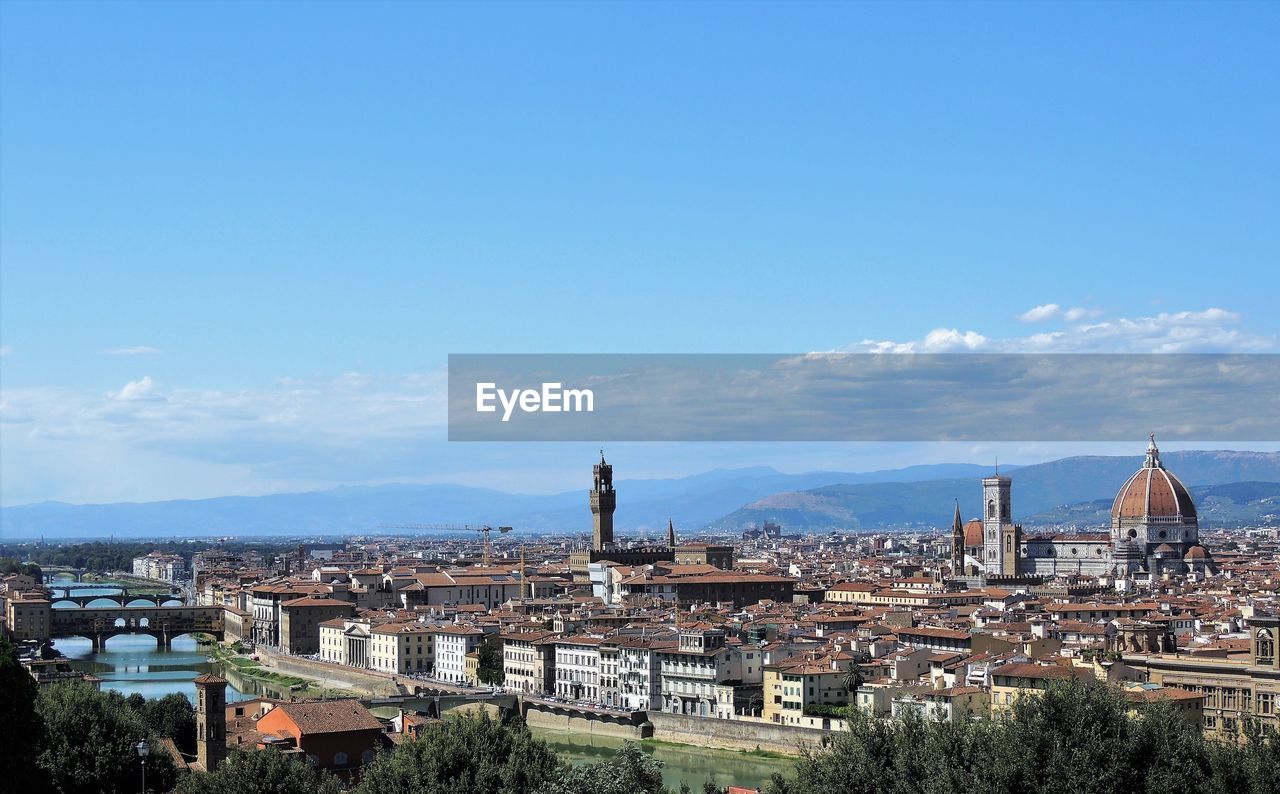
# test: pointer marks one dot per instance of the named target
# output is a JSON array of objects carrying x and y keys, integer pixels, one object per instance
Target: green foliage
[
  {"x": 21, "y": 729},
  {"x": 172, "y": 716},
  {"x": 491, "y": 670},
  {"x": 89, "y": 744},
  {"x": 630, "y": 771},
  {"x": 463, "y": 755},
  {"x": 1078, "y": 737},
  {"x": 825, "y": 710},
  {"x": 118, "y": 556},
  {"x": 10, "y": 565},
  {"x": 261, "y": 772}
]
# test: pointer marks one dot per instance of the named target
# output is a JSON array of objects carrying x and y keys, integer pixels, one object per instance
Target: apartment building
[
  {"x": 402, "y": 647},
  {"x": 640, "y": 671},
  {"x": 453, "y": 643},
  {"x": 577, "y": 667},
  {"x": 528, "y": 660}
]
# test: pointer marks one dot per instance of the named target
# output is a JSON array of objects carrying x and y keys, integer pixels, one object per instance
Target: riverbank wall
[
  {"x": 735, "y": 734},
  {"x": 538, "y": 717},
  {"x": 360, "y": 681}
]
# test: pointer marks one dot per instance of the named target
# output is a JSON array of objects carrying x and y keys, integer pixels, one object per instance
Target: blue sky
[{"x": 238, "y": 240}]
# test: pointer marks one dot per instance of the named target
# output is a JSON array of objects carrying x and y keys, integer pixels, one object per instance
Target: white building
[
  {"x": 577, "y": 668},
  {"x": 165, "y": 567},
  {"x": 453, "y": 643}
]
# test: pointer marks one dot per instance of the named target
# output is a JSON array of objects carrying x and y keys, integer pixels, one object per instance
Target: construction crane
[{"x": 483, "y": 529}]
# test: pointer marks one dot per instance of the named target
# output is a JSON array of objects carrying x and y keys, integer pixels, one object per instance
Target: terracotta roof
[
  {"x": 330, "y": 716},
  {"x": 973, "y": 532},
  {"x": 208, "y": 679},
  {"x": 1153, "y": 492},
  {"x": 1027, "y": 670}
]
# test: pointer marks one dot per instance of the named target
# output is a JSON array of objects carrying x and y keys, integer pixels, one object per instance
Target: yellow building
[
  {"x": 850, "y": 593},
  {"x": 1015, "y": 680},
  {"x": 792, "y": 685},
  {"x": 28, "y": 616}
]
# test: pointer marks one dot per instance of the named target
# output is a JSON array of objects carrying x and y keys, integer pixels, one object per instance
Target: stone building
[{"x": 1154, "y": 530}]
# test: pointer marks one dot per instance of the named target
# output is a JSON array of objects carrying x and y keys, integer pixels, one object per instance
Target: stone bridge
[
  {"x": 123, "y": 598},
  {"x": 573, "y": 711},
  {"x": 100, "y": 624},
  {"x": 50, "y": 572},
  {"x": 437, "y": 703}
]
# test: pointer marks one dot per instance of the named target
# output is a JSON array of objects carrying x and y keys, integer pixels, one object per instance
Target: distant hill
[
  {"x": 1233, "y": 504},
  {"x": 725, "y": 499},
  {"x": 1042, "y": 493},
  {"x": 643, "y": 506}
]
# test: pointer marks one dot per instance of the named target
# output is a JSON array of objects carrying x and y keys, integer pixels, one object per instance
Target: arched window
[
  {"x": 1266, "y": 646},
  {"x": 991, "y": 508},
  {"x": 339, "y": 759}
]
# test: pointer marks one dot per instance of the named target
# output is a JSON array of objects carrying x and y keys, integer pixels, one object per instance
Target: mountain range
[{"x": 1074, "y": 490}]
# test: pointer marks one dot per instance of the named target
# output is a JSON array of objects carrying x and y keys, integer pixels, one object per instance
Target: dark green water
[{"x": 680, "y": 763}]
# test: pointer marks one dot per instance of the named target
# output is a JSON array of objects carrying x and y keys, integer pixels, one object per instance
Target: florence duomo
[{"x": 1154, "y": 530}]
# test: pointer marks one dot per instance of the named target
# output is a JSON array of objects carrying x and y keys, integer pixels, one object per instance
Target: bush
[{"x": 1078, "y": 737}]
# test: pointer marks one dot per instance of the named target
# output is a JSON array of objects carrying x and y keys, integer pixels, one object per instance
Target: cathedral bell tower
[
  {"x": 603, "y": 501},
  {"x": 1000, "y": 538}
]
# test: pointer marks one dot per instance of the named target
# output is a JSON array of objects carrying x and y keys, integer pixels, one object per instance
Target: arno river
[{"x": 134, "y": 663}]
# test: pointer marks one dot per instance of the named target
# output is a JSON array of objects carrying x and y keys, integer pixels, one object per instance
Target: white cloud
[
  {"x": 1210, "y": 330},
  {"x": 1078, "y": 313},
  {"x": 136, "y": 389},
  {"x": 298, "y": 433},
  {"x": 137, "y": 350},
  {"x": 1051, "y": 311},
  {"x": 5, "y": 350},
  {"x": 1039, "y": 314}
]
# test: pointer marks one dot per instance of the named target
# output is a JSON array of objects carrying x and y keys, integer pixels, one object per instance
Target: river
[
  {"x": 137, "y": 663},
  {"x": 680, "y": 762}
]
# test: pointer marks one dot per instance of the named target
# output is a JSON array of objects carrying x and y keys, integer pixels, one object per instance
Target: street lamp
[{"x": 143, "y": 749}]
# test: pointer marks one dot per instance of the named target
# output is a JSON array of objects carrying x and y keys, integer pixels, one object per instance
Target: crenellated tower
[{"x": 603, "y": 502}]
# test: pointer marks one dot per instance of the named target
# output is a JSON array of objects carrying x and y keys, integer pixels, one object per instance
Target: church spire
[
  {"x": 671, "y": 534},
  {"x": 957, "y": 523}
]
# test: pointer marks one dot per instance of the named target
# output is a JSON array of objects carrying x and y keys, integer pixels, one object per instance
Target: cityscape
[
  {"x": 766, "y": 643},
  {"x": 551, "y": 397}
]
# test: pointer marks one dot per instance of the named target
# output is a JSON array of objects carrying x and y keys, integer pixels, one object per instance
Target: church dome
[
  {"x": 1153, "y": 492},
  {"x": 1196, "y": 553},
  {"x": 973, "y": 532}
]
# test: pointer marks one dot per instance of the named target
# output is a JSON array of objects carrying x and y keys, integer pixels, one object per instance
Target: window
[{"x": 339, "y": 759}]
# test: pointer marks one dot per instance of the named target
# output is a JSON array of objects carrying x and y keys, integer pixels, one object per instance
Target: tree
[
  {"x": 89, "y": 745},
  {"x": 1078, "y": 736},
  {"x": 852, "y": 680},
  {"x": 21, "y": 729},
  {"x": 628, "y": 772},
  {"x": 492, "y": 670},
  {"x": 464, "y": 754},
  {"x": 172, "y": 716},
  {"x": 261, "y": 772}
]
